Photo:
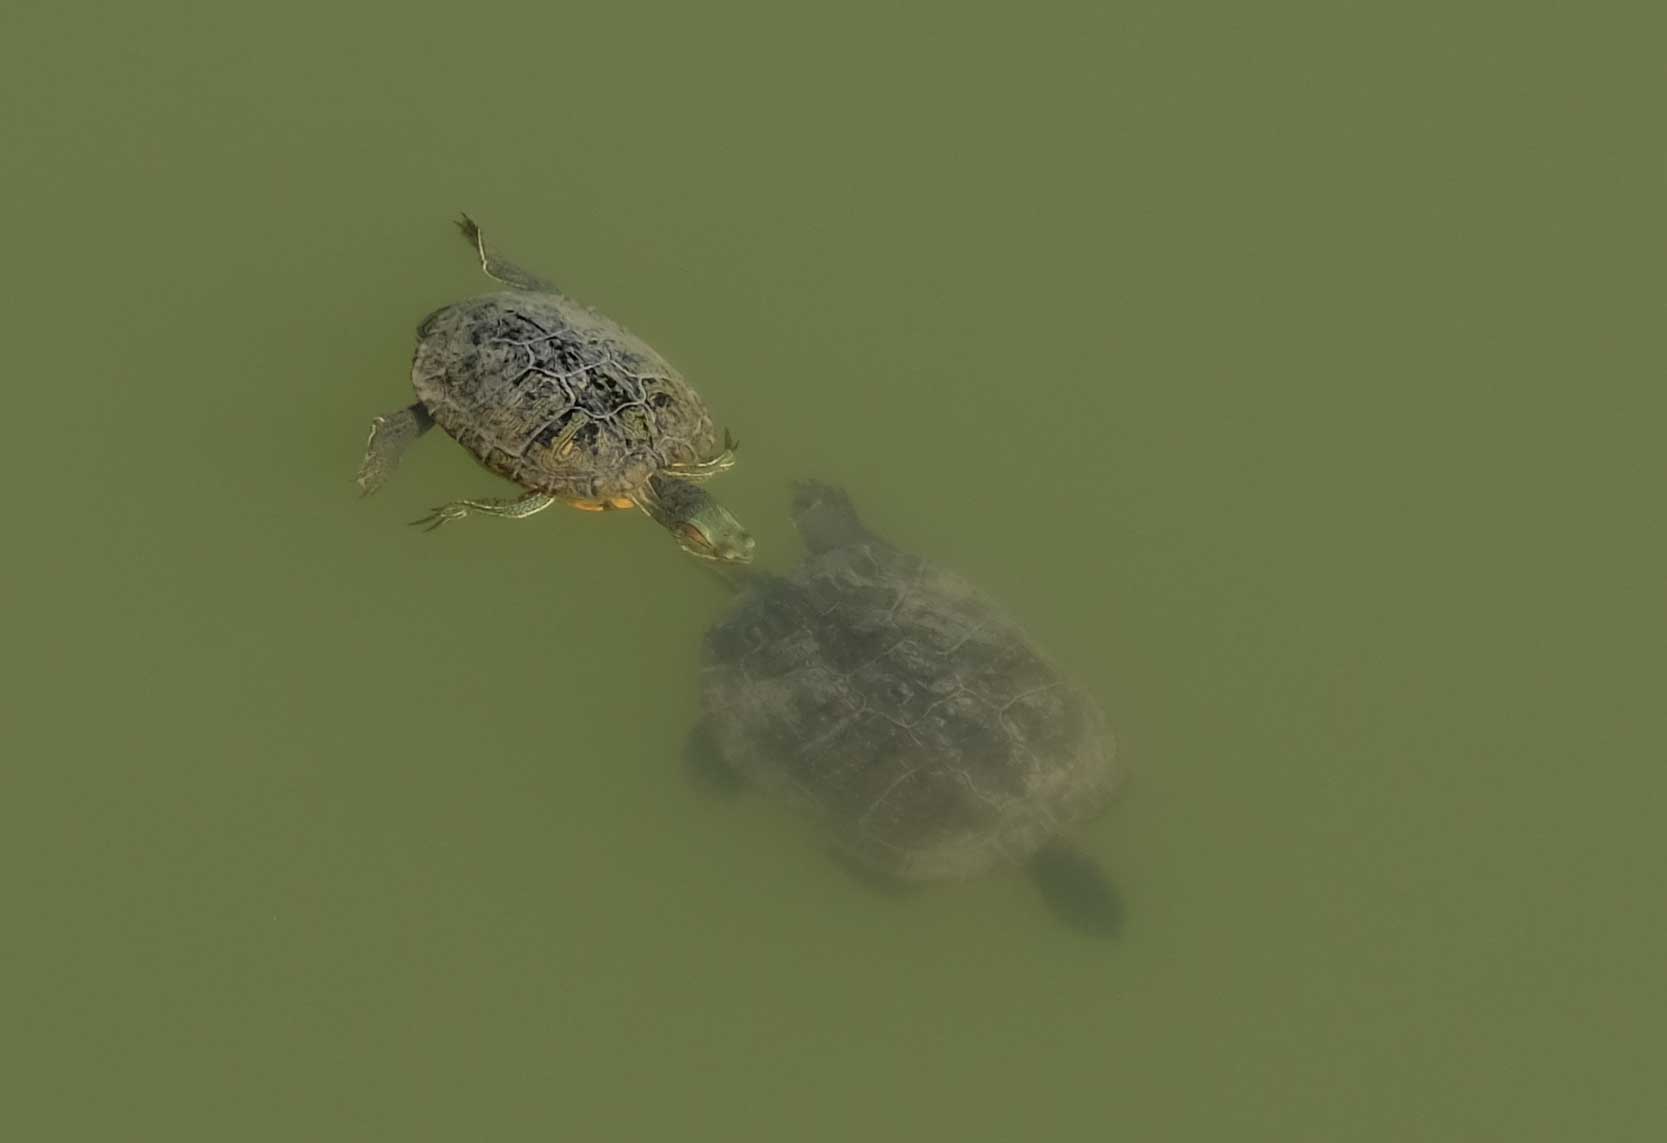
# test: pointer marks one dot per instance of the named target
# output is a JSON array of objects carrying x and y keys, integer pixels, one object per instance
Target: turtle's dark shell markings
[
  {"x": 566, "y": 403},
  {"x": 900, "y": 707}
]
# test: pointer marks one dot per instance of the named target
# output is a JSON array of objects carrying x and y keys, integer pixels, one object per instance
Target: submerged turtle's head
[
  {"x": 700, "y": 525},
  {"x": 825, "y": 517}
]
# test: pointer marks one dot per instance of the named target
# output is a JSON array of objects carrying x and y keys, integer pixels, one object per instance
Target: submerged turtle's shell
[
  {"x": 557, "y": 397},
  {"x": 900, "y": 706}
]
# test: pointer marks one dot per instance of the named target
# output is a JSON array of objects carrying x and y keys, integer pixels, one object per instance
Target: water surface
[{"x": 1280, "y": 370}]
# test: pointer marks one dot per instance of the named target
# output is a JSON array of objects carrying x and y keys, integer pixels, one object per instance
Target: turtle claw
[{"x": 439, "y": 516}]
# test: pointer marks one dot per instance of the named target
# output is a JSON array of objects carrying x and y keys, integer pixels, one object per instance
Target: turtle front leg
[
  {"x": 389, "y": 437},
  {"x": 497, "y": 267},
  {"x": 706, "y": 469},
  {"x": 505, "y": 507}
]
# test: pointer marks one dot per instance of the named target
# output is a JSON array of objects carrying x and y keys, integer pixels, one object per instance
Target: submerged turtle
[
  {"x": 901, "y": 708},
  {"x": 567, "y": 404}
]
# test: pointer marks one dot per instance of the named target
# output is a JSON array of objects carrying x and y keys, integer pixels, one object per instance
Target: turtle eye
[{"x": 693, "y": 537}]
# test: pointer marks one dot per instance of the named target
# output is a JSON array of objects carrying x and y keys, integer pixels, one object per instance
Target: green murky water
[{"x": 1283, "y": 370}]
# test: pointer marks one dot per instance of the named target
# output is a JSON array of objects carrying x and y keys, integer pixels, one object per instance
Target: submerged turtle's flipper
[
  {"x": 1076, "y": 889},
  {"x": 705, "y": 766},
  {"x": 390, "y": 436},
  {"x": 497, "y": 267}
]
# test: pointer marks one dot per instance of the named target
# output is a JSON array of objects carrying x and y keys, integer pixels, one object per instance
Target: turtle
[
  {"x": 564, "y": 402},
  {"x": 906, "y": 713}
]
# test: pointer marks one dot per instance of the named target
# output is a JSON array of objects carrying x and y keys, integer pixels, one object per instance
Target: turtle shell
[
  {"x": 556, "y": 397},
  {"x": 899, "y": 705}
]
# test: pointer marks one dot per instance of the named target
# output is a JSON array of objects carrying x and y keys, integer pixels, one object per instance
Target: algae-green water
[{"x": 1290, "y": 371}]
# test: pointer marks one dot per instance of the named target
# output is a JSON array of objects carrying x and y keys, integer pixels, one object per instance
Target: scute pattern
[
  {"x": 900, "y": 706},
  {"x": 557, "y": 397}
]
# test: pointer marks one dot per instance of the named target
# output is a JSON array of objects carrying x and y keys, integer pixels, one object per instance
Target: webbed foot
[
  {"x": 496, "y": 266},
  {"x": 508, "y": 509},
  {"x": 440, "y": 515},
  {"x": 390, "y": 436}
]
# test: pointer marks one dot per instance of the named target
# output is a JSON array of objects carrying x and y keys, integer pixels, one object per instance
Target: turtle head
[
  {"x": 825, "y": 517},
  {"x": 700, "y": 525}
]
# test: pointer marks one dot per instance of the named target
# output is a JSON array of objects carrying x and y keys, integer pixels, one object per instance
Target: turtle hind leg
[
  {"x": 509, "y": 509},
  {"x": 705, "y": 767},
  {"x": 389, "y": 437},
  {"x": 498, "y": 268},
  {"x": 1076, "y": 889}
]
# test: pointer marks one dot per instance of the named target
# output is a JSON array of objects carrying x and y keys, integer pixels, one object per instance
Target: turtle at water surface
[
  {"x": 898, "y": 706},
  {"x": 566, "y": 403}
]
